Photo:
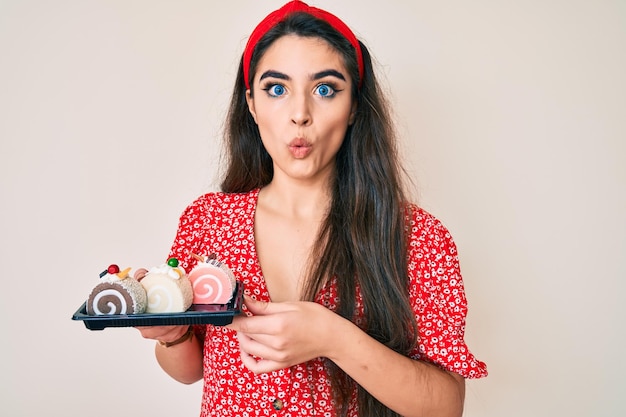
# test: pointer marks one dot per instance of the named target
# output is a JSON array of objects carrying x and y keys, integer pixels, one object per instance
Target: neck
[{"x": 296, "y": 199}]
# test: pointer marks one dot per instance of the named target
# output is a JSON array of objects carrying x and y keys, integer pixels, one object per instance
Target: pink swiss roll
[{"x": 212, "y": 282}]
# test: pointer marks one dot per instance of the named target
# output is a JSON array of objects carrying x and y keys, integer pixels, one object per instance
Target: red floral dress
[{"x": 224, "y": 224}]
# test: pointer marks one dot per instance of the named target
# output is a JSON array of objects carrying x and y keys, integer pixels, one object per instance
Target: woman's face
[{"x": 302, "y": 105}]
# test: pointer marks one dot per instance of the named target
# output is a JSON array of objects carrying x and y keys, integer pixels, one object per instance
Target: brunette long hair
[{"x": 362, "y": 240}]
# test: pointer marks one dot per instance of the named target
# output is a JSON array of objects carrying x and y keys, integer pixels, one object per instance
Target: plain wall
[{"x": 513, "y": 123}]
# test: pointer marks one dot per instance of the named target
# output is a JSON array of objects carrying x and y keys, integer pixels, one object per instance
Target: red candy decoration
[{"x": 113, "y": 269}]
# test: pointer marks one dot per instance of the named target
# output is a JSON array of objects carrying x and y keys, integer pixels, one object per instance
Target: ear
[
  {"x": 250, "y": 101},
  {"x": 352, "y": 114}
]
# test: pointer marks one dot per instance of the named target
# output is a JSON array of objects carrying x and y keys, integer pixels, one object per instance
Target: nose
[{"x": 301, "y": 111}]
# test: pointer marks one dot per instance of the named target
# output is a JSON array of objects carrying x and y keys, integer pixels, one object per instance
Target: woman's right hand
[{"x": 163, "y": 333}]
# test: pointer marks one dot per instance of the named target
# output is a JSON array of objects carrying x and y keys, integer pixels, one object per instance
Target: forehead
[{"x": 295, "y": 55}]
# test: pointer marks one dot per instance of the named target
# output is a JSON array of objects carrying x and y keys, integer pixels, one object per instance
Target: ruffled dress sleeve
[{"x": 438, "y": 297}]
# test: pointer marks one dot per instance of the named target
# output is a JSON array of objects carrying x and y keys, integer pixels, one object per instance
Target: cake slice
[
  {"x": 213, "y": 282},
  {"x": 168, "y": 288}
]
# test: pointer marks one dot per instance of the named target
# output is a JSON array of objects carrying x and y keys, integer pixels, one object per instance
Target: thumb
[{"x": 256, "y": 307}]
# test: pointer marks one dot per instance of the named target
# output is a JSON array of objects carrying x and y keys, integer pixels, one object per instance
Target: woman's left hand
[{"x": 280, "y": 335}]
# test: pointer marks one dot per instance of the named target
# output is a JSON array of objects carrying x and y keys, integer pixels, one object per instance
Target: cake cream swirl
[{"x": 213, "y": 282}]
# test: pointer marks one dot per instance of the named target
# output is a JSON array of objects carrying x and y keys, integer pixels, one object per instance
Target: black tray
[{"x": 216, "y": 314}]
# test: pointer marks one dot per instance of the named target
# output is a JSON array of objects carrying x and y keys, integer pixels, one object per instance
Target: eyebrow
[
  {"x": 274, "y": 74},
  {"x": 326, "y": 73},
  {"x": 316, "y": 76}
]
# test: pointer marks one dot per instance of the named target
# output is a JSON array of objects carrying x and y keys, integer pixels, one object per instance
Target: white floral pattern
[{"x": 224, "y": 224}]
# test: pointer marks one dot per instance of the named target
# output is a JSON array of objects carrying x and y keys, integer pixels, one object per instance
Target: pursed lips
[{"x": 300, "y": 148}]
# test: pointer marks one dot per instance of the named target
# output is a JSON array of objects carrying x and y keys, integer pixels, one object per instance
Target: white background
[{"x": 513, "y": 121}]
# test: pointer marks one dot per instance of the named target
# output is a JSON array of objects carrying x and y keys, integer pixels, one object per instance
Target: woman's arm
[
  {"x": 409, "y": 387},
  {"x": 285, "y": 334},
  {"x": 181, "y": 361}
]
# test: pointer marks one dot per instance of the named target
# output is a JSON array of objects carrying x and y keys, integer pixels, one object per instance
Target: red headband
[{"x": 279, "y": 15}]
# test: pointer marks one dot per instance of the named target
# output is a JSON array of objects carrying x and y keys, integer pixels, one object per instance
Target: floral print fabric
[{"x": 224, "y": 224}]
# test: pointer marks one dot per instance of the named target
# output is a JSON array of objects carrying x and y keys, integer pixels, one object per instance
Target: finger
[
  {"x": 259, "y": 366},
  {"x": 257, "y": 348},
  {"x": 256, "y": 307},
  {"x": 157, "y": 332},
  {"x": 240, "y": 322},
  {"x": 140, "y": 274},
  {"x": 255, "y": 325}
]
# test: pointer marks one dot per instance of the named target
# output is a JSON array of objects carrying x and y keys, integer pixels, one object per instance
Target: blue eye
[
  {"x": 276, "y": 90},
  {"x": 325, "y": 90}
]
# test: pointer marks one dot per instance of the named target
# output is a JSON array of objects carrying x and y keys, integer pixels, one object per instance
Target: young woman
[{"x": 354, "y": 299}]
